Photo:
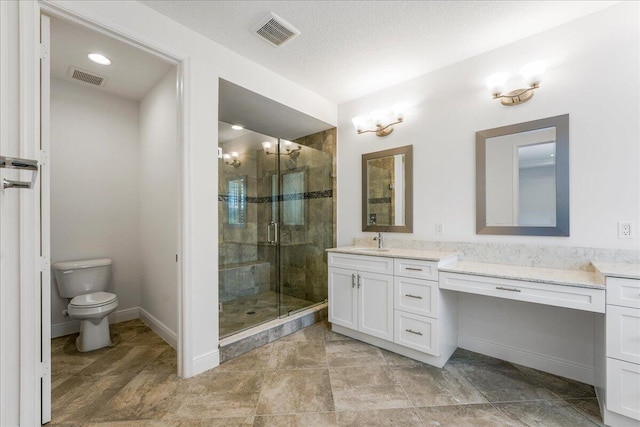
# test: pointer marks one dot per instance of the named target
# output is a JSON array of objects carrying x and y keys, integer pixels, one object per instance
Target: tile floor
[
  {"x": 245, "y": 312},
  {"x": 313, "y": 377}
]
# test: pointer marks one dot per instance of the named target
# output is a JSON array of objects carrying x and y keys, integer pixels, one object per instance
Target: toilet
[{"x": 85, "y": 283}]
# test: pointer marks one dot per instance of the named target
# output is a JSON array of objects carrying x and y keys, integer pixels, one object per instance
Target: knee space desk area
[{"x": 406, "y": 301}]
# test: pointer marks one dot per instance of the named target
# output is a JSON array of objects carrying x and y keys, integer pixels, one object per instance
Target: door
[
  {"x": 375, "y": 305},
  {"x": 45, "y": 253},
  {"x": 342, "y": 296}
]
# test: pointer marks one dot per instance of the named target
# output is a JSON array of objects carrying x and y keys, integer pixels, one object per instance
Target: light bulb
[
  {"x": 379, "y": 117},
  {"x": 287, "y": 142},
  {"x": 226, "y": 156},
  {"x": 495, "y": 82},
  {"x": 358, "y": 122},
  {"x": 99, "y": 59},
  {"x": 533, "y": 72},
  {"x": 237, "y": 127},
  {"x": 266, "y": 145},
  {"x": 234, "y": 154},
  {"x": 398, "y": 111}
]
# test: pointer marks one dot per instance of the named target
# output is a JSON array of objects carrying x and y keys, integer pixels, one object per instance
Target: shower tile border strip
[
  {"x": 324, "y": 194},
  {"x": 250, "y": 339}
]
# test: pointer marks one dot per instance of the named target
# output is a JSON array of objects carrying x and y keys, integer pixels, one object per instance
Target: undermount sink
[{"x": 370, "y": 250}]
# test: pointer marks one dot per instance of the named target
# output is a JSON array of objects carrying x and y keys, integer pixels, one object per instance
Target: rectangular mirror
[
  {"x": 387, "y": 190},
  {"x": 522, "y": 178}
]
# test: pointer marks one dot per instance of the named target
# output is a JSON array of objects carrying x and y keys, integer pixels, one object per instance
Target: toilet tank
[{"x": 82, "y": 277}]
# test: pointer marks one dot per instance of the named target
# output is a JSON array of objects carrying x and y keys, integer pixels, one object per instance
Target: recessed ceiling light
[
  {"x": 99, "y": 59},
  {"x": 237, "y": 127}
]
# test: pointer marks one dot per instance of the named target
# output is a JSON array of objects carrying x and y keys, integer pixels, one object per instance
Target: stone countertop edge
[
  {"x": 629, "y": 270},
  {"x": 577, "y": 278},
  {"x": 417, "y": 254}
]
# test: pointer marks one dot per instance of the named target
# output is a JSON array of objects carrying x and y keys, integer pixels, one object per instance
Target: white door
[
  {"x": 375, "y": 305},
  {"x": 45, "y": 217},
  {"x": 342, "y": 297}
]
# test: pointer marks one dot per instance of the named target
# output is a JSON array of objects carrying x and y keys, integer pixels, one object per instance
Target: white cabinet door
[
  {"x": 623, "y": 388},
  {"x": 375, "y": 305},
  {"x": 342, "y": 297}
]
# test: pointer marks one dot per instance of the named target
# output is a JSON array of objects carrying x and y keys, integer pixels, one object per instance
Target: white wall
[
  {"x": 592, "y": 75},
  {"x": 158, "y": 183},
  {"x": 94, "y": 192},
  {"x": 206, "y": 62}
]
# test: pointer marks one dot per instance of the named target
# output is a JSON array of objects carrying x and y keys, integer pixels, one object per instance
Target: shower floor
[{"x": 245, "y": 312}]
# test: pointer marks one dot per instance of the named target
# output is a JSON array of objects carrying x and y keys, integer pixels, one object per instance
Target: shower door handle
[
  {"x": 273, "y": 240},
  {"x": 269, "y": 239}
]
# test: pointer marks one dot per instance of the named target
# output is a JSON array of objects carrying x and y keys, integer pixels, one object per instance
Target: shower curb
[{"x": 266, "y": 336}]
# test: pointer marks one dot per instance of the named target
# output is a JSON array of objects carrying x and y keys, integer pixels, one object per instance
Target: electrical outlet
[
  {"x": 625, "y": 229},
  {"x": 439, "y": 228}
]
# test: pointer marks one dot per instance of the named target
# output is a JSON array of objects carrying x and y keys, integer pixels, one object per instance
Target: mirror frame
[
  {"x": 561, "y": 123},
  {"x": 408, "y": 190}
]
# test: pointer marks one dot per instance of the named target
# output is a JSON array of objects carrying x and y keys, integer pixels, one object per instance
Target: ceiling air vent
[
  {"x": 86, "y": 77},
  {"x": 275, "y": 30}
]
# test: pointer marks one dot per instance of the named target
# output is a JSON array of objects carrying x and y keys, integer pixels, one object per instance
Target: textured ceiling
[
  {"x": 348, "y": 49},
  {"x": 132, "y": 73}
]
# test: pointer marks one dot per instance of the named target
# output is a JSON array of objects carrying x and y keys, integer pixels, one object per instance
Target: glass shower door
[
  {"x": 305, "y": 190},
  {"x": 248, "y": 259}
]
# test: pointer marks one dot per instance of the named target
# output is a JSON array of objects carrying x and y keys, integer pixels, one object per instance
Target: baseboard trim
[
  {"x": 542, "y": 362},
  {"x": 159, "y": 328},
  {"x": 73, "y": 326},
  {"x": 206, "y": 361}
]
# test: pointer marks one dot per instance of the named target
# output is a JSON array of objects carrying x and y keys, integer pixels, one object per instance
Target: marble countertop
[
  {"x": 579, "y": 278},
  {"x": 423, "y": 255},
  {"x": 618, "y": 269}
]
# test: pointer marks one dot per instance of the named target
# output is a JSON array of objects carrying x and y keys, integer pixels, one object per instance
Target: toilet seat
[
  {"x": 95, "y": 305},
  {"x": 95, "y": 299}
]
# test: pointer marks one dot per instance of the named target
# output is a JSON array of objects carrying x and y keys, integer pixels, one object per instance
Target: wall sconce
[
  {"x": 532, "y": 74},
  {"x": 288, "y": 149},
  {"x": 378, "y": 119},
  {"x": 232, "y": 159}
]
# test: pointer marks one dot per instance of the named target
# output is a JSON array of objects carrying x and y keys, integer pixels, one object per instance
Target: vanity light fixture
[
  {"x": 378, "y": 118},
  {"x": 532, "y": 73},
  {"x": 99, "y": 59},
  {"x": 232, "y": 159},
  {"x": 288, "y": 148}
]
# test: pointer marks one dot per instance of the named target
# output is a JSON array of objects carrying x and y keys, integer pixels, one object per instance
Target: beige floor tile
[
  {"x": 366, "y": 388},
  {"x": 298, "y": 355},
  {"x": 352, "y": 353},
  {"x": 588, "y": 407},
  {"x": 483, "y": 415},
  {"x": 380, "y": 418},
  {"x": 255, "y": 360},
  {"x": 123, "y": 360},
  {"x": 295, "y": 391},
  {"x": 296, "y": 420},
  {"x": 430, "y": 386},
  {"x": 549, "y": 413}
]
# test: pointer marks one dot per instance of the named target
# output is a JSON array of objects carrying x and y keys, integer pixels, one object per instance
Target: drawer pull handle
[
  {"x": 413, "y": 296},
  {"x": 413, "y": 332},
  {"x": 502, "y": 288},
  {"x": 413, "y": 269}
]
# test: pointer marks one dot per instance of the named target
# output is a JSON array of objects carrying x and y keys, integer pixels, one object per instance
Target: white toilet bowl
[{"x": 93, "y": 310}]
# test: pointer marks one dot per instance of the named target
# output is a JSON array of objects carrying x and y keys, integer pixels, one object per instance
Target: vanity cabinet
[
  {"x": 623, "y": 348},
  {"x": 393, "y": 303},
  {"x": 359, "y": 299}
]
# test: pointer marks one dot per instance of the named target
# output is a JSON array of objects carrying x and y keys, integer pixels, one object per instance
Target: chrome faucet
[{"x": 379, "y": 239}]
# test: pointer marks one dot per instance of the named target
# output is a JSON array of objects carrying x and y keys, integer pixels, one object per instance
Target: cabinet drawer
[
  {"x": 416, "y": 269},
  {"x": 372, "y": 264},
  {"x": 623, "y": 333},
  {"x": 623, "y": 388},
  {"x": 416, "y": 296},
  {"x": 416, "y": 332},
  {"x": 624, "y": 292},
  {"x": 587, "y": 299}
]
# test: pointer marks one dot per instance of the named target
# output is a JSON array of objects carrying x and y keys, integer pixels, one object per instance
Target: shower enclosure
[{"x": 276, "y": 218}]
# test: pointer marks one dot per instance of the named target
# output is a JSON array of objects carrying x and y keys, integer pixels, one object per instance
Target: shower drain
[{"x": 251, "y": 312}]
